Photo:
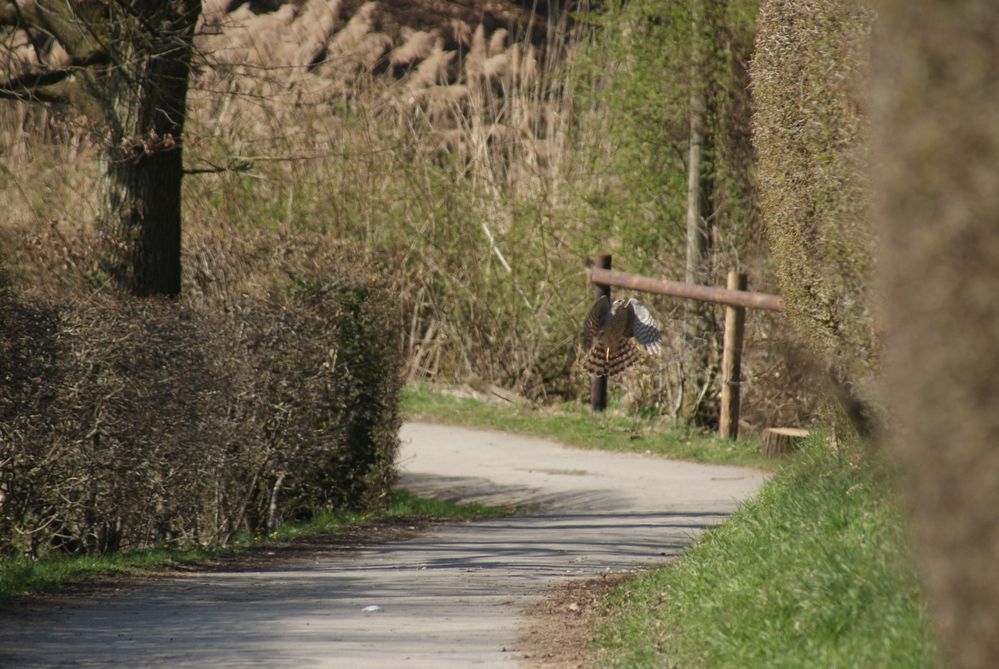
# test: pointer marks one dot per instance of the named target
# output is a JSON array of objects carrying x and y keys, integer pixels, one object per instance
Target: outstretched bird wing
[
  {"x": 596, "y": 320},
  {"x": 643, "y": 327}
]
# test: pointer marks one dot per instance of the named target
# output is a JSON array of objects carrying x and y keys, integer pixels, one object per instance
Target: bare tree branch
[
  {"x": 29, "y": 86},
  {"x": 233, "y": 166}
]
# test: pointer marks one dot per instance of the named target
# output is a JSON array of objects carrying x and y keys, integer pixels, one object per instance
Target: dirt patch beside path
[{"x": 557, "y": 632}]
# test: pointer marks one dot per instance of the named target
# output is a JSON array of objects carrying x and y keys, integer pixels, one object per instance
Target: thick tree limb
[
  {"x": 41, "y": 86},
  {"x": 10, "y": 15},
  {"x": 26, "y": 84},
  {"x": 49, "y": 96},
  {"x": 72, "y": 24}
]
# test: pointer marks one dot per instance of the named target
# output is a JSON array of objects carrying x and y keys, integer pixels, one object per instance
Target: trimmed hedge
[
  {"x": 810, "y": 133},
  {"x": 130, "y": 423}
]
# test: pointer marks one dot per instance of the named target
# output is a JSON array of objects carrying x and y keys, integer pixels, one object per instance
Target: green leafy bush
[{"x": 639, "y": 71}]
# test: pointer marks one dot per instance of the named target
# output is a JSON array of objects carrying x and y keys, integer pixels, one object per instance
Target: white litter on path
[{"x": 449, "y": 598}]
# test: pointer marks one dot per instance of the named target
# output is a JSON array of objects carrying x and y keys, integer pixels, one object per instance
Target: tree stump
[{"x": 779, "y": 441}]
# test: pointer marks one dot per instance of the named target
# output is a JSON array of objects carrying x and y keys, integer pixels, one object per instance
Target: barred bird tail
[{"x": 604, "y": 361}]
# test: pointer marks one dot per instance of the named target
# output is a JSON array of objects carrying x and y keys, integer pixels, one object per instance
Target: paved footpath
[{"x": 449, "y": 598}]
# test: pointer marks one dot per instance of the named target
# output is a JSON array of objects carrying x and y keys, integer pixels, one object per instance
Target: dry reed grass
[{"x": 459, "y": 161}]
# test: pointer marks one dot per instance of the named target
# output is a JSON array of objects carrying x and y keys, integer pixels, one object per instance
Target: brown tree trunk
[
  {"x": 144, "y": 97},
  {"x": 697, "y": 324},
  {"x": 128, "y": 70},
  {"x": 937, "y": 150}
]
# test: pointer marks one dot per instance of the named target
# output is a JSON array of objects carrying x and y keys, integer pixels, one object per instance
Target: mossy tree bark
[{"x": 128, "y": 72}]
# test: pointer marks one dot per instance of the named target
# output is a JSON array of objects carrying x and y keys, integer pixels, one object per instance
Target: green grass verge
[
  {"x": 812, "y": 573},
  {"x": 575, "y": 425},
  {"x": 21, "y": 576}
]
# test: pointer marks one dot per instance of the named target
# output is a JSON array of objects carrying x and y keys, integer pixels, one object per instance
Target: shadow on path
[{"x": 448, "y": 598}]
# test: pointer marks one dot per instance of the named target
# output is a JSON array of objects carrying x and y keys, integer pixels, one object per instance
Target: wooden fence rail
[
  {"x": 728, "y": 296},
  {"x": 736, "y": 299}
]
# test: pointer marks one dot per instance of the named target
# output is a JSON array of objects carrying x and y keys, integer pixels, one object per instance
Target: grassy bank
[
  {"x": 20, "y": 576},
  {"x": 574, "y": 424},
  {"x": 812, "y": 573}
]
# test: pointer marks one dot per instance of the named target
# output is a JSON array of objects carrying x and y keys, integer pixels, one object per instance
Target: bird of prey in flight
[{"x": 615, "y": 336}]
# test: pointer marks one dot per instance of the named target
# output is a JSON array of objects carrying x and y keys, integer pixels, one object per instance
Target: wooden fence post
[
  {"x": 598, "y": 387},
  {"x": 735, "y": 320}
]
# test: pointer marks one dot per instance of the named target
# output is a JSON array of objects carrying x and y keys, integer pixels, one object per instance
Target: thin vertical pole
[
  {"x": 735, "y": 321},
  {"x": 598, "y": 387}
]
